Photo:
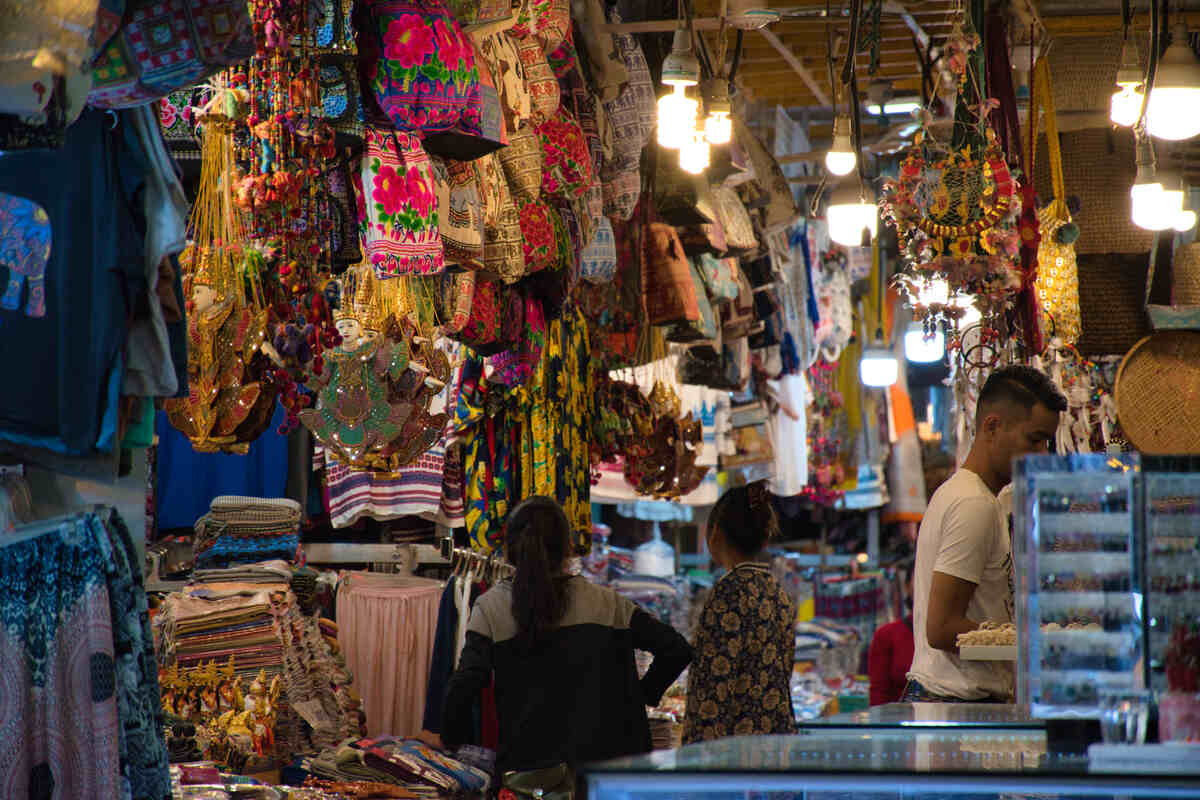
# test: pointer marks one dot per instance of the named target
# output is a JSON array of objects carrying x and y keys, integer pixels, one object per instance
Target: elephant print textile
[{"x": 25, "y": 237}]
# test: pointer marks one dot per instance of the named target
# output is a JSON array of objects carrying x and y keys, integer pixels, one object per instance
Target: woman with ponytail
[
  {"x": 745, "y": 642},
  {"x": 561, "y": 652}
]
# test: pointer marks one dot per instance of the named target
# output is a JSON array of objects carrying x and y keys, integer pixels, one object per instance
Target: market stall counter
[{"x": 970, "y": 764}]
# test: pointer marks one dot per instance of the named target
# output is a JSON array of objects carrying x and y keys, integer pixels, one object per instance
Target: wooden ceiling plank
[{"x": 794, "y": 62}]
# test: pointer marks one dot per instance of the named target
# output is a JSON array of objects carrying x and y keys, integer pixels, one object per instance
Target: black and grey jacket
[{"x": 577, "y": 698}]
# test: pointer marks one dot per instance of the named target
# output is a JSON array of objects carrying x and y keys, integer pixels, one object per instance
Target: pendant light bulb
[
  {"x": 681, "y": 67},
  {"x": 849, "y": 214},
  {"x": 750, "y": 15},
  {"x": 923, "y": 348},
  {"x": 1173, "y": 110},
  {"x": 1126, "y": 104},
  {"x": 718, "y": 127},
  {"x": 676, "y": 117},
  {"x": 841, "y": 159},
  {"x": 694, "y": 156},
  {"x": 878, "y": 367},
  {"x": 1147, "y": 195},
  {"x": 1185, "y": 221}
]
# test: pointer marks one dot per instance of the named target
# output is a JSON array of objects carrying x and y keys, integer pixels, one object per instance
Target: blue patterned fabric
[
  {"x": 229, "y": 550},
  {"x": 142, "y": 749}
]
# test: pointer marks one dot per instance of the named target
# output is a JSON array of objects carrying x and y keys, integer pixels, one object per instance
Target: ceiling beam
[
  {"x": 794, "y": 62},
  {"x": 898, "y": 8}
]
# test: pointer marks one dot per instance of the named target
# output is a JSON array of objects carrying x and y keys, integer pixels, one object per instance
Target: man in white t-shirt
[{"x": 964, "y": 568}]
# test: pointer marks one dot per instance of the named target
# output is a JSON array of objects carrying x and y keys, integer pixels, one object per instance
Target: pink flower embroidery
[
  {"x": 408, "y": 41},
  {"x": 167, "y": 113},
  {"x": 420, "y": 197},
  {"x": 389, "y": 190},
  {"x": 449, "y": 47}
]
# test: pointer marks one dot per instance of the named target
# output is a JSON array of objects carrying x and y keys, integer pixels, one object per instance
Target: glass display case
[
  {"x": 902, "y": 716},
  {"x": 1172, "y": 525},
  {"x": 1077, "y": 538},
  {"x": 879, "y": 765}
]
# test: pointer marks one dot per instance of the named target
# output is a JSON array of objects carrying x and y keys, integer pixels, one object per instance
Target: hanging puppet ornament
[{"x": 373, "y": 395}]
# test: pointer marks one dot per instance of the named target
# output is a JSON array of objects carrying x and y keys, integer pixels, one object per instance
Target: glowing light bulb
[
  {"x": 922, "y": 349},
  {"x": 878, "y": 367},
  {"x": 1126, "y": 105},
  {"x": 841, "y": 158},
  {"x": 848, "y": 215},
  {"x": 676, "y": 118},
  {"x": 1173, "y": 110},
  {"x": 1185, "y": 221},
  {"x": 718, "y": 128},
  {"x": 694, "y": 155}
]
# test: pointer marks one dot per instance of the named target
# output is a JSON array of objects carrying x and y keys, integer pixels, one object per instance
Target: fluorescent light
[
  {"x": 878, "y": 367},
  {"x": 903, "y": 107}
]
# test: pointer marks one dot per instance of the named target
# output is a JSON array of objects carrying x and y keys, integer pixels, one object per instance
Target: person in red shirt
[{"x": 891, "y": 654}]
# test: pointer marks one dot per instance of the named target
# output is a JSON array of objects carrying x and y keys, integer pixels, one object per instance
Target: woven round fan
[{"x": 1158, "y": 393}]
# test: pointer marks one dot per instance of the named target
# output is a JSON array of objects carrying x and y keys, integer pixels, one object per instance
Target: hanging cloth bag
[{"x": 1057, "y": 285}]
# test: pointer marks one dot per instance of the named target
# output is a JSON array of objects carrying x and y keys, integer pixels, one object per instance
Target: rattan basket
[
  {"x": 1185, "y": 275},
  {"x": 1099, "y": 166},
  {"x": 1084, "y": 71},
  {"x": 1158, "y": 393}
]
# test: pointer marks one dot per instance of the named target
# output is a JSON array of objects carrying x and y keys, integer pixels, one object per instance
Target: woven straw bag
[
  {"x": 1156, "y": 388},
  {"x": 1057, "y": 284}
]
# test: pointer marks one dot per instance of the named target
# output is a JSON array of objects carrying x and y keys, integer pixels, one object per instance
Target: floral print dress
[{"x": 738, "y": 684}]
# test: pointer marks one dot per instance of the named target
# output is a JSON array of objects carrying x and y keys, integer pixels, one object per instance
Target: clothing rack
[{"x": 491, "y": 566}]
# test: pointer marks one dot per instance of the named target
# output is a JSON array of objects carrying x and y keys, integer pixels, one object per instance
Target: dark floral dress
[{"x": 738, "y": 683}]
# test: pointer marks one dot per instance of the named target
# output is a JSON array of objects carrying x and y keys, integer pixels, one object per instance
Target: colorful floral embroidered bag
[
  {"x": 566, "y": 160},
  {"x": 538, "y": 235},
  {"x": 483, "y": 128},
  {"x": 419, "y": 65},
  {"x": 398, "y": 206}
]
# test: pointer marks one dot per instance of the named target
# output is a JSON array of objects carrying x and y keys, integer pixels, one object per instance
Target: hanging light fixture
[
  {"x": 718, "y": 126},
  {"x": 750, "y": 15},
  {"x": 1126, "y": 104},
  {"x": 1187, "y": 217},
  {"x": 850, "y": 213},
  {"x": 694, "y": 156},
  {"x": 1174, "y": 203},
  {"x": 677, "y": 111},
  {"x": 922, "y": 347},
  {"x": 1173, "y": 111},
  {"x": 1147, "y": 195},
  {"x": 841, "y": 158},
  {"x": 878, "y": 367}
]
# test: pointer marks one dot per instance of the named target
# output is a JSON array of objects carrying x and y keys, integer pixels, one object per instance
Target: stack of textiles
[
  {"x": 399, "y": 762},
  {"x": 271, "y": 575},
  {"x": 79, "y": 696},
  {"x": 664, "y": 598},
  {"x": 821, "y": 634},
  {"x": 265, "y": 630},
  {"x": 242, "y": 530}
]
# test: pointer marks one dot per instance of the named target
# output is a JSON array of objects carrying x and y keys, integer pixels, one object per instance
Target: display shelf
[
  {"x": 1174, "y": 758},
  {"x": 1084, "y": 562},
  {"x": 1108, "y": 523}
]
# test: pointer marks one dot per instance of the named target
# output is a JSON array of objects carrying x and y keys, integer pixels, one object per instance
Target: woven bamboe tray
[{"x": 1158, "y": 393}]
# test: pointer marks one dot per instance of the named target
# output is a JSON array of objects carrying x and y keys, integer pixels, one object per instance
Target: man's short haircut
[{"x": 1019, "y": 385}]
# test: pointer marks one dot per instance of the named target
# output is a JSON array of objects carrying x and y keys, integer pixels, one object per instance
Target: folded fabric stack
[
  {"x": 264, "y": 630},
  {"x": 304, "y": 586},
  {"x": 242, "y": 530},
  {"x": 400, "y": 762},
  {"x": 270, "y": 575},
  {"x": 820, "y": 634}
]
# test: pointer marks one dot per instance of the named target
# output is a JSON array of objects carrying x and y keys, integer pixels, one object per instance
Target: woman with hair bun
[
  {"x": 561, "y": 650},
  {"x": 739, "y": 683}
]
